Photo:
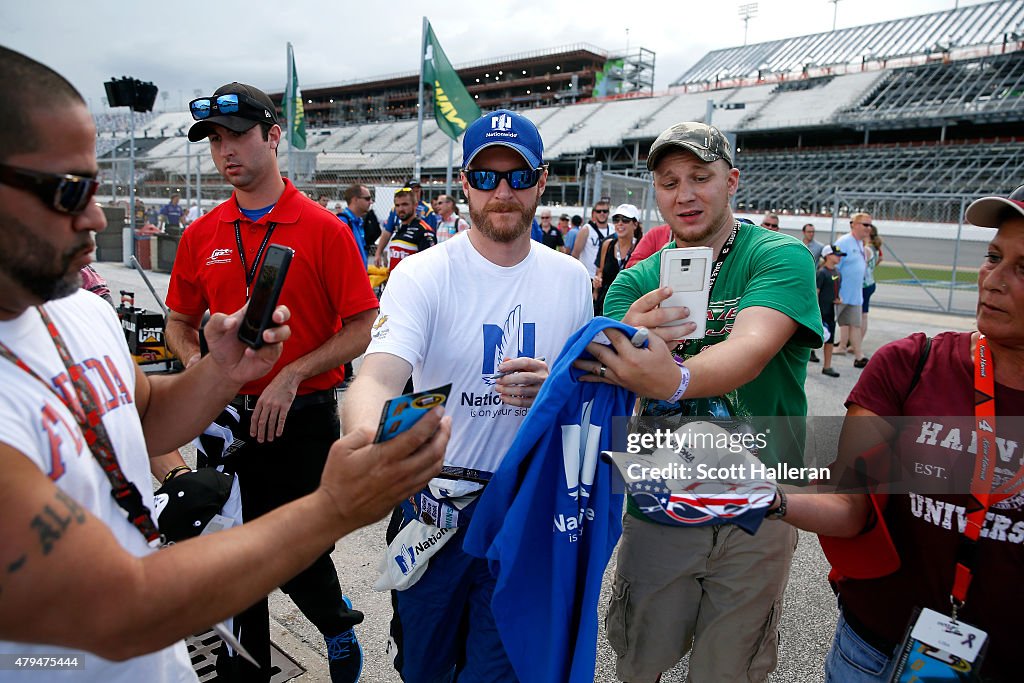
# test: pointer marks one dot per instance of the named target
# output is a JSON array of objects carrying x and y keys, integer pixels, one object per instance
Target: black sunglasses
[
  {"x": 519, "y": 179},
  {"x": 601, "y": 210},
  {"x": 230, "y": 103},
  {"x": 63, "y": 193},
  {"x": 618, "y": 218}
]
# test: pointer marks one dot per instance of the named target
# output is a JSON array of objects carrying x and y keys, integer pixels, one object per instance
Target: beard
[
  {"x": 502, "y": 234},
  {"x": 34, "y": 264},
  {"x": 697, "y": 235},
  {"x": 693, "y": 235}
]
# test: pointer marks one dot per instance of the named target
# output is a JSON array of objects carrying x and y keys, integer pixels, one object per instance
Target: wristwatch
[{"x": 780, "y": 511}]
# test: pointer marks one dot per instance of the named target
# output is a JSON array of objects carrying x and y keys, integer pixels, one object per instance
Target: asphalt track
[{"x": 809, "y": 611}]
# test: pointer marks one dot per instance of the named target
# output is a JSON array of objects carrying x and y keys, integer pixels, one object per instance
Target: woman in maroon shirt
[{"x": 914, "y": 410}]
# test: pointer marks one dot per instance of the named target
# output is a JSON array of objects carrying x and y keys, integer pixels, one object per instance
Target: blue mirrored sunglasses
[
  {"x": 520, "y": 179},
  {"x": 229, "y": 103}
]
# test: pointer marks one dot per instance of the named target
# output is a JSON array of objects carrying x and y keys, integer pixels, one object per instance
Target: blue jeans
[
  {"x": 851, "y": 660},
  {"x": 446, "y": 631}
]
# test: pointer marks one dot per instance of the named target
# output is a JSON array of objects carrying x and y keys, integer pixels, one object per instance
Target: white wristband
[{"x": 684, "y": 382}]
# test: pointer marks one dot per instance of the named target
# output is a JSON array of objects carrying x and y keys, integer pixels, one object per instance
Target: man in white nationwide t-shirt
[
  {"x": 467, "y": 313},
  {"x": 82, "y": 586}
]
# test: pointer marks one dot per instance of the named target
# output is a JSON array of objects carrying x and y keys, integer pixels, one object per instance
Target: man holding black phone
[
  {"x": 83, "y": 585},
  {"x": 288, "y": 419}
]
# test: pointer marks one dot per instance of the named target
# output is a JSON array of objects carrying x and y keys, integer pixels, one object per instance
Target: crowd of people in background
[{"x": 621, "y": 231}]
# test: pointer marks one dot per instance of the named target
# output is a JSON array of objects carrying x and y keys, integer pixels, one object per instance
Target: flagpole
[
  {"x": 419, "y": 104},
  {"x": 289, "y": 113},
  {"x": 451, "y": 160}
]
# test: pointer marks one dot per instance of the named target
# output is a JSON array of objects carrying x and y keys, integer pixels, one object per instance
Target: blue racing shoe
[{"x": 344, "y": 655}]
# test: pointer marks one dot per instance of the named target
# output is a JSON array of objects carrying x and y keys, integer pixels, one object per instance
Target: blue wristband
[{"x": 684, "y": 382}]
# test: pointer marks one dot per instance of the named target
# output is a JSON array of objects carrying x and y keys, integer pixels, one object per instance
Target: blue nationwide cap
[{"x": 507, "y": 129}]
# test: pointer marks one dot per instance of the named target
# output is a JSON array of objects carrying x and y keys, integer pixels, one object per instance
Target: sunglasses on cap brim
[
  {"x": 63, "y": 193},
  {"x": 520, "y": 179},
  {"x": 229, "y": 103}
]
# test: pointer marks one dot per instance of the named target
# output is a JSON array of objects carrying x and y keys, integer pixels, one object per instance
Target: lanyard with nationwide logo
[
  {"x": 87, "y": 414},
  {"x": 250, "y": 273},
  {"x": 715, "y": 268}
]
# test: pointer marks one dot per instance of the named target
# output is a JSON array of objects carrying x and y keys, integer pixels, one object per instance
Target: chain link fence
[
  {"x": 930, "y": 254},
  {"x": 621, "y": 189},
  {"x": 196, "y": 179}
]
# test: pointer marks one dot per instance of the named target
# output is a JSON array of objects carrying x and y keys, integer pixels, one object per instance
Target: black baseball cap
[
  {"x": 187, "y": 503},
  {"x": 257, "y": 108}
]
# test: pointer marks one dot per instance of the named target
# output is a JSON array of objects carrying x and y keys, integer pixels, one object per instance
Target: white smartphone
[{"x": 687, "y": 271}]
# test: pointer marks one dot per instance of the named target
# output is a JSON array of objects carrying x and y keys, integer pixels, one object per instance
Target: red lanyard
[
  {"x": 982, "y": 483},
  {"x": 84, "y": 407}
]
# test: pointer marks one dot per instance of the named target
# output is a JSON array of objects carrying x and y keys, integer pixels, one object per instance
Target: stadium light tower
[
  {"x": 835, "y": 12},
  {"x": 747, "y": 12},
  {"x": 138, "y": 97}
]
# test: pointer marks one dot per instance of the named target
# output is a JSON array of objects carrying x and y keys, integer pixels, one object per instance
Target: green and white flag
[
  {"x": 294, "y": 110},
  {"x": 454, "y": 107}
]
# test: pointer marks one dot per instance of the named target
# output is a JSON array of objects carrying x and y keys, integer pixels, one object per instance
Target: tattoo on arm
[
  {"x": 52, "y": 522},
  {"x": 74, "y": 508},
  {"x": 50, "y": 525}
]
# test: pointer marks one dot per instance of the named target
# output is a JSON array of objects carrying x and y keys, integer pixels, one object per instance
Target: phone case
[
  {"x": 402, "y": 412},
  {"x": 687, "y": 271},
  {"x": 265, "y": 293}
]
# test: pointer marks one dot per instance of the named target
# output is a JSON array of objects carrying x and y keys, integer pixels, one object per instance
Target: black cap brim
[{"x": 201, "y": 129}]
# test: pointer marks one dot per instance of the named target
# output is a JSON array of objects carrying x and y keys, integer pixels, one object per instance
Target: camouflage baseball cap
[{"x": 707, "y": 142}]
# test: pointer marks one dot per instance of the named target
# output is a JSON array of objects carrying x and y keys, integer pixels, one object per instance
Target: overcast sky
[{"x": 188, "y": 45}]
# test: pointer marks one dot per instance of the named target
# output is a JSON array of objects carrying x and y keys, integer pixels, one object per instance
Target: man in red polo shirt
[{"x": 289, "y": 418}]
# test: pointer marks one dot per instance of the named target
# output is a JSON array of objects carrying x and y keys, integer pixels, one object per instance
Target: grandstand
[
  {"x": 934, "y": 105},
  {"x": 518, "y": 81}
]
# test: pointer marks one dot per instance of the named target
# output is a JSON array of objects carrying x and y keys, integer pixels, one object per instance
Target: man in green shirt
[{"x": 714, "y": 588}]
